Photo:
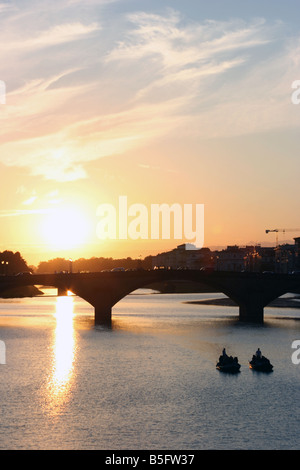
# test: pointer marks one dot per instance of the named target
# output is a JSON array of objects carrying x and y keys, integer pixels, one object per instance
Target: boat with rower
[
  {"x": 260, "y": 363},
  {"x": 228, "y": 363}
]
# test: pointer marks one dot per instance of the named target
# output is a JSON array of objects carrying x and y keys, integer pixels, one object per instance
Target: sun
[{"x": 65, "y": 228}]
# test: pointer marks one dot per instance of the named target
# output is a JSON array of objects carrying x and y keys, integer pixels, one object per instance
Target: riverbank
[
  {"x": 21, "y": 292},
  {"x": 293, "y": 302}
]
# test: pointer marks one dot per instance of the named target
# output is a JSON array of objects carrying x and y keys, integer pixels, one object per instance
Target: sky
[{"x": 164, "y": 102}]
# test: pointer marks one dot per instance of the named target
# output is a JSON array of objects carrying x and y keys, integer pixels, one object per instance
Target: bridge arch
[{"x": 251, "y": 291}]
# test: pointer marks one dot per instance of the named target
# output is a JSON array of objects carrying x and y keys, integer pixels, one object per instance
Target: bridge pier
[
  {"x": 251, "y": 294},
  {"x": 251, "y": 313},
  {"x": 102, "y": 315},
  {"x": 62, "y": 291}
]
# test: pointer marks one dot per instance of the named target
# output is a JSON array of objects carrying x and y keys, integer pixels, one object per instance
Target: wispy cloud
[
  {"x": 58, "y": 34},
  {"x": 23, "y": 212},
  {"x": 232, "y": 77},
  {"x": 99, "y": 95},
  {"x": 181, "y": 44},
  {"x": 181, "y": 54}
]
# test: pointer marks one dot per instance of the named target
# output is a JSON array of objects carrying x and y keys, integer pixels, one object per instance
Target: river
[{"x": 150, "y": 381}]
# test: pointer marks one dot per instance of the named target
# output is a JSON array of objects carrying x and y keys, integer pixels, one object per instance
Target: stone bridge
[{"x": 251, "y": 291}]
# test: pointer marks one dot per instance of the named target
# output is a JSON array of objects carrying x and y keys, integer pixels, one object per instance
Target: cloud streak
[
  {"x": 156, "y": 75},
  {"x": 58, "y": 34},
  {"x": 23, "y": 212}
]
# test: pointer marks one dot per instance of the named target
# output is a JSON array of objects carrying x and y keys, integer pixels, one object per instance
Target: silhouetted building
[
  {"x": 267, "y": 258},
  {"x": 252, "y": 258},
  {"x": 297, "y": 253},
  {"x": 285, "y": 258},
  {"x": 232, "y": 258},
  {"x": 184, "y": 256}
]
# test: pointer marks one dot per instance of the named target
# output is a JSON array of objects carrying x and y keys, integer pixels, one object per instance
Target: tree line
[
  {"x": 93, "y": 264},
  {"x": 12, "y": 263}
]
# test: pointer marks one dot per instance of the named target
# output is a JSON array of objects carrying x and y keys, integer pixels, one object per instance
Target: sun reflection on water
[{"x": 61, "y": 376}]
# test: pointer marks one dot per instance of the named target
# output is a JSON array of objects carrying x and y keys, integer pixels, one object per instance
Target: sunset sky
[{"x": 185, "y": 102}]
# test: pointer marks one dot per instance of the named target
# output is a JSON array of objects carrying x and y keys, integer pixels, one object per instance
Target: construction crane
[{"x": 282, "y": 230}]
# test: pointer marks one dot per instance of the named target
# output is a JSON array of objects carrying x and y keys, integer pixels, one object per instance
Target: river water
[{"x": 150, "y": 381}]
